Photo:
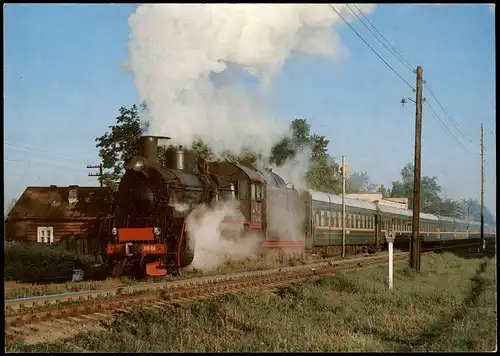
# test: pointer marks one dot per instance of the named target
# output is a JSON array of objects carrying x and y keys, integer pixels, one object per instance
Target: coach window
[
  {"x": 364, "y": 221},
  {"x": 317, "y": 216}
]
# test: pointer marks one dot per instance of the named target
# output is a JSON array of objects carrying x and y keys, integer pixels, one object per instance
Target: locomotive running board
[{"x": 153, "y": 270}]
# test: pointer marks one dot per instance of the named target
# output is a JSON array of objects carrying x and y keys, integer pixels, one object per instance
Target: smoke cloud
[
  {"x": 175, "y": 50},
  {"x": 216, "y": 232}
]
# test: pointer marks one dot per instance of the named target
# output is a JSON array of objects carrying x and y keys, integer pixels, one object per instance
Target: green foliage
[
  {"x": 385, "y": 192},
  {"x": 323, "y": 171},
  {"x": 37, "y": 262},
  {"x": 359, "y": 182},
  {"x": 430, "y": 200},
  {"x": 474, "y": 211},
  {"x": 120, "y": 144},
  {"x": 9, "y": 207}
]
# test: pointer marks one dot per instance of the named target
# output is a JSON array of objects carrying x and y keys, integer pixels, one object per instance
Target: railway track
[{"x": 35, "y": 318}]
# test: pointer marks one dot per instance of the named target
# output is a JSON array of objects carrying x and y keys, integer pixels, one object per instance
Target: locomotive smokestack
[{"x": 149, "y": 148}]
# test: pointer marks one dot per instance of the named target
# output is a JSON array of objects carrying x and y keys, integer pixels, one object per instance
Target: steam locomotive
[{"x": 155, "y": 197}]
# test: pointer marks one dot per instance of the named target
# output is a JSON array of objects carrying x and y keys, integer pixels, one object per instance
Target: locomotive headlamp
[
  {"x": 157, "y": 231},
  {"x": 114, "y": 231},
  {"x": 137, "y": 164}
]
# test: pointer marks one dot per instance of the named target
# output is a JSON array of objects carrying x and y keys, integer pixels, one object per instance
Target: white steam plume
[
  {"x": 212, "y": 245},
  {"x": 175, "y": 48}
]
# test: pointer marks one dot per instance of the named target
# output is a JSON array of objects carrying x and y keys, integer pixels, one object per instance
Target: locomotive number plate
[{"x": 153, "y": 249}]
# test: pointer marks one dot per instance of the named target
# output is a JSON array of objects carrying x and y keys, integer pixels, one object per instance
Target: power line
[
  {"x": 388, "y": 46},
  {"x": 457, "y": 126},
  {"x": 444, "y": 127},
  {"x": 366, "y": 43},
  {"x": 408, "y": 65},
  {"x": 46, "y": 152},
  {"x": 45, "y": 165}
]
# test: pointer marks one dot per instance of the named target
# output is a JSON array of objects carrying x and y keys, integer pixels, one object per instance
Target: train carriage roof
[
  {"x": 337, "y": 199},
  {"x": 428, "y": 216},
  {"x": 396, "y": 211},
  {"x": 445, "y": 219},
  {"x": 460, "y": 221}
]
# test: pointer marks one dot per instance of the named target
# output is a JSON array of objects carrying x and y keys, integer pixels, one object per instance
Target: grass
[
  {"x": 271, "y": 260},
  {"x": 449, "y": 306}
]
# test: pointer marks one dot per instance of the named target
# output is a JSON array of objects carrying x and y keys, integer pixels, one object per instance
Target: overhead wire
[
  {"x": 44, "y": 152},
  {"x": 408, "y": 65},
  {"x": 387, "y": 44},
  {"x": 444, "y": 127},
  {"x": 457, "y": 126},
  {"x": 372, "y": 49},
  {"x": 42, "y": 162},
  {"x": 45, "y": 165}
]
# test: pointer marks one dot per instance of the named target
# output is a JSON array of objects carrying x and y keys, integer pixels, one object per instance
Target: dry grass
[{"x": 449, "y": 306}]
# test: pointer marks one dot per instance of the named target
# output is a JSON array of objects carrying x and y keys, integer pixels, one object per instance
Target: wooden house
[{"x": 74, "y": 216}]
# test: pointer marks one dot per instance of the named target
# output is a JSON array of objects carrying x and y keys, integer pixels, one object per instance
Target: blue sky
[{"x": 63, "y": 85}]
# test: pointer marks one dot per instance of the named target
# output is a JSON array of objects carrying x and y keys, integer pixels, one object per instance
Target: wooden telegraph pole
[
  {"x": 344, "y": 177},
  {"x": 96, "y": 174},
  {"x": 482, "y": 188},
  {"x": 415, "y": 239}
]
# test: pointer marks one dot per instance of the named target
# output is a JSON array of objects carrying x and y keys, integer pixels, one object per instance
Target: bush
[{"x": 41, "y": 262}]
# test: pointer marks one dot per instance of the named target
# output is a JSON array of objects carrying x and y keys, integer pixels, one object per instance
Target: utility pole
[
  {"x": 482, "y": 189},
  {"x": 96, "y": 174},
  {"x": 415, "y": 239},
  {"x": 343, "y": 205}
]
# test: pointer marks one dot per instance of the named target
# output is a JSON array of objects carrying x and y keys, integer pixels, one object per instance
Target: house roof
[{"x": 52, "y": 203}]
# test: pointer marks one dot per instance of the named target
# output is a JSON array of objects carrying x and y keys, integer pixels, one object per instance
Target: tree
[
  {"x": 429, "y": 190},
  {"x": 9, "y": 207},
  {"x": 120, "y": 144},
  {"x": 385, "y": 192},
  {"x": 448, "y": 207},
  {"x": 474, "y": 212},
  {"x": 359, "y": 182},
  {"x": 323, "y": 171}
]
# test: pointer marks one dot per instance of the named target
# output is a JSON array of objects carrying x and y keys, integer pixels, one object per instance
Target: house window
[{"x": 45, "y": 234}]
